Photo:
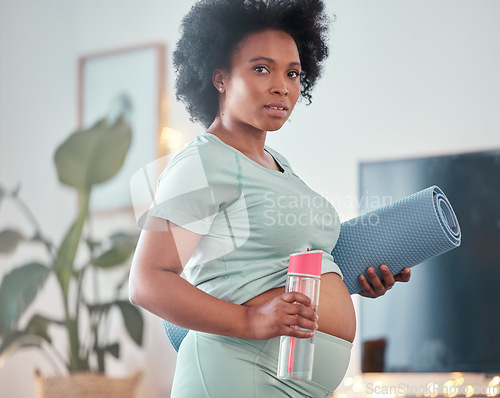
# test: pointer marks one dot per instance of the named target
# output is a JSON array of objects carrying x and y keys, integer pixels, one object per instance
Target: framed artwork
[{"x": 131, "y": 81}]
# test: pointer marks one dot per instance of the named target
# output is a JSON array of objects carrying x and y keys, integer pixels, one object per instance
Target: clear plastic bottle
[{"x": 295, "y": 354}]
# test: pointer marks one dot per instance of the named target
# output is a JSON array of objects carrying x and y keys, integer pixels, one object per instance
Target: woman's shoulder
[
  {"x": 206, "y": 146},
  {"x": 201, "y": 156},
  {"x": 201, "y": 145}
]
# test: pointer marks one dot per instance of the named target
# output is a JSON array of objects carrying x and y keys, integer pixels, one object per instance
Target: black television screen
[{"x": 447, "y": 318}]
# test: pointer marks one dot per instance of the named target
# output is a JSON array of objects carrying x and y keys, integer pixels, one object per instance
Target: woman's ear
[{"x": 218, "y": 79}]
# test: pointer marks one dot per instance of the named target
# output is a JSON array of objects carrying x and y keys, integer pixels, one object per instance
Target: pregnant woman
[{"x": 229, "y": 210}]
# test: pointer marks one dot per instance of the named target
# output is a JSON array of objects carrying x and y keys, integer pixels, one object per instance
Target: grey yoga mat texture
[{"x": 402, "y": 234}]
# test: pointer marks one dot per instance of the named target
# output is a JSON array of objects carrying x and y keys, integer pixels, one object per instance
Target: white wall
[{"x": 405, "y": 78}]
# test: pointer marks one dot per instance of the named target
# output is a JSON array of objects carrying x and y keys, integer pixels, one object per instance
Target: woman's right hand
[{"x": 278, "y": 317}]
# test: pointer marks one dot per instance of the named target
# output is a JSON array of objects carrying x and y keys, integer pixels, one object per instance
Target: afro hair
[{"x": 213, "y": 28}]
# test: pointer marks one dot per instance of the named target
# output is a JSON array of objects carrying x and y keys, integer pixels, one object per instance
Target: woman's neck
[{"x": 248, "y": 141}]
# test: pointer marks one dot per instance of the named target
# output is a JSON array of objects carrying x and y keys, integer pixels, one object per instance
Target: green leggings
[{"x": 214, "y": 366}]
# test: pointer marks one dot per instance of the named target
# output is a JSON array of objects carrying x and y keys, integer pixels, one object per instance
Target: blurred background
[{"x": 404, "y": 79}]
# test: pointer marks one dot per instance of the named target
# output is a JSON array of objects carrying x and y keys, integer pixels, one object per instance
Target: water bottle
[{"x": 295, "y": 360}]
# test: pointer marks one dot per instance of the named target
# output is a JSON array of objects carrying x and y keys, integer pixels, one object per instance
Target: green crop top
[{"x": 251, "y": 218}]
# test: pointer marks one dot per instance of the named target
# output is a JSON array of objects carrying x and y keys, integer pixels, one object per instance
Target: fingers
[
  {"x": 299, "y": 304},
  {"x": 302, "y": 319},
  {"x": 299, "y": 333},
  {"x": 298, "y": 326},
  {"x": 292, "y": 297},
  {"x": 282, "y": 316},
  {"x": 365, "y": 286},
  {"x": 387, "y": 277},
  {"x": 300, "y": 315},
  {"x": 403, "y": 276},
  {"x": 376, "y": 286}
]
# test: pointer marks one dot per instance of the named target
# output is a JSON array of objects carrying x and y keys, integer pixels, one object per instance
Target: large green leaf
[
  {"x": 133, "y": 320},
  {"x": 9, "y": 239},
  {"x": 18, "y": 290},
  {"x": 64, "y": 263},
  {"x": 124, "y": 238},
  {"x": 113, "y": 349},
  {"x": 99, "y": 308},
  {"x": 113, "y": 257},
  {"x": 93, "y": 155},
  {"x": 15, "y": 341},
  {"x": 123, "y": 246},
  {"x": 32, "y": 336},
  {"x": 39, "y": 325}
]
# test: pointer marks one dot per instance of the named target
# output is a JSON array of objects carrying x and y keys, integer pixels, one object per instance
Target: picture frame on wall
[{"x": 128, "y": 81}]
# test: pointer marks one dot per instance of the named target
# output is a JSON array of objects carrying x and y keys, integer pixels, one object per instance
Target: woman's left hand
[{"x": 377, "y": 287}]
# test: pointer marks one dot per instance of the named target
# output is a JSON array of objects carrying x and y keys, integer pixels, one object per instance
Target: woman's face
[{"x": 263, "y": 85}]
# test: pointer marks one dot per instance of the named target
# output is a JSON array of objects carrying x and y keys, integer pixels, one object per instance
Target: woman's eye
[
  {"x": 294, "y": 73},
  {"x": 260, "y": 69}
]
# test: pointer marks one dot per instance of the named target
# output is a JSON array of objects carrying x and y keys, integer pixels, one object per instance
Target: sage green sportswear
[
  {"x": 251, "y": 218},
  {"x": 213, "y": 366}
]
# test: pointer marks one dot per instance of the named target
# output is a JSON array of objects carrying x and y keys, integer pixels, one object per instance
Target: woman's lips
[{"x": 277, "y": 110}]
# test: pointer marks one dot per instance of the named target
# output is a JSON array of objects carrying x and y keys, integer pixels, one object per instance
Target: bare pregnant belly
[{"x": 335, "y": 309}]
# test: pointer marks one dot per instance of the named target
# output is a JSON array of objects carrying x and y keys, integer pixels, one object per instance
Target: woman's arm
[{"x": 163, "y": 250}]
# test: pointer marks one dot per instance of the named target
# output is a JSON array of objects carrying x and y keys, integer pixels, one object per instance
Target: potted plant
[{"x": 86, "y": 158}]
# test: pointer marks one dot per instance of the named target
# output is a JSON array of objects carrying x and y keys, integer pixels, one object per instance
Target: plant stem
[
  {"x": 64, "y": 269},
  {"x": 38, "y": 231},
  {"x": 78, "y": 302},
  {"x": 97, "y": 319},
  {"x": 51, "y": 360}
]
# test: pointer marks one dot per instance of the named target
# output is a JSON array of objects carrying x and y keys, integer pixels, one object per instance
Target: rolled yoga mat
[{"x": 402, "y": 234}]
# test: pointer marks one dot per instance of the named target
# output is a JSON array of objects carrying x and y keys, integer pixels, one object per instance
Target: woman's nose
[{"x": 279, "y": 87}]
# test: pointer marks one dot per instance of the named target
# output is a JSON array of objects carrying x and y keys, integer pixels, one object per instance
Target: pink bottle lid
[{"x": 306, "y": 263}]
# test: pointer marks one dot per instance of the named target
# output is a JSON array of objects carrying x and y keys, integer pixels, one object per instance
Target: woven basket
[{"x": 85, "y": 385}]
